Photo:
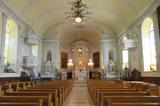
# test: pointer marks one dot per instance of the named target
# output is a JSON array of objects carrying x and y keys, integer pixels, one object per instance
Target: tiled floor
[{"x": 79, "y": 95}]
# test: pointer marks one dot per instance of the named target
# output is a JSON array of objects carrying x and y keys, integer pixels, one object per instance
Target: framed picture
[
  {"x": 96, "y": 60},
  {"x": 64, "y": 59}
]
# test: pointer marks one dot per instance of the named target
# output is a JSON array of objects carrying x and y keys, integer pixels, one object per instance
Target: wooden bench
[
  {"x": 60, "y": 91},
  {"x": 99, "y": 91},
  {"x": 19, "y": 99},
  {"x": 51, "y": 94},
  {"x": 135, "y": 104},
  {"x": 107, "y": 100},
  {"x": 58, "y": 94},
  {"x": 20, "y": 103}
]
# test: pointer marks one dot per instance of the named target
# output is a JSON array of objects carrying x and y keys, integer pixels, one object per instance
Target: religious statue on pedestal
[
  {"x": 112, "y": 66},
  {"x": 48, "y": 64}
]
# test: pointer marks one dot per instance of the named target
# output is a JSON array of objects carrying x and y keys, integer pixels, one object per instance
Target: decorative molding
[
  {"x": 147, "y": 11},
  {"x": 107, "y": 36},
  {"x": 109, "y": 40},
  {"x": 19, "y": 19},
  {"x": 51, "y": 40},
  {"x": 8, "y": 11}
]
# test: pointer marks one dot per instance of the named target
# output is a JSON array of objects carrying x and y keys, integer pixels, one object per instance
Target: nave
[
  {"x": 80, "y": 93},
  {"x": 47, "y": 46}
]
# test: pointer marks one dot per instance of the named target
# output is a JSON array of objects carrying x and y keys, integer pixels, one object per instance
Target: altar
[{"x": 80, "y": 75}]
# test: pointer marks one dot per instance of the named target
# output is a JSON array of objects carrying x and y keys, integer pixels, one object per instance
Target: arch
[
  {"x": 42, "y": 16},
  {"x": 51, "y": 22},
  {"x": 148, "y": 44}
]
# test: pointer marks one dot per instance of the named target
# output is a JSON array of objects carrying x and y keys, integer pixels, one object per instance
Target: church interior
[{"x": 79, "y": 52}]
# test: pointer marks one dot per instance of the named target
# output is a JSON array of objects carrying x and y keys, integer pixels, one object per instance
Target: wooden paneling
[
  {"x": 9, "y": 79},
  {"x": 155, "y": 80}
]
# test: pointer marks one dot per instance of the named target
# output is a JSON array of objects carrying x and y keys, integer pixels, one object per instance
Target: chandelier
[
  {"x": 79, "y": 50},
  {"x": 78, "y": 12}
]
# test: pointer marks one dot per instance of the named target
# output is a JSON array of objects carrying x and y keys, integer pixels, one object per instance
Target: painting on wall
[
  {"x": 64, "y": 59},
  {"x": 96, "y": 60}
]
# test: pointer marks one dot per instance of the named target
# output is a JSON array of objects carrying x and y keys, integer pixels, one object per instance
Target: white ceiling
[{"x": 45, "y": 16}]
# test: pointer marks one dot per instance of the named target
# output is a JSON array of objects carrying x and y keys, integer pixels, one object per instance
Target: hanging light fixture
[{"x": 78, "y": 12}]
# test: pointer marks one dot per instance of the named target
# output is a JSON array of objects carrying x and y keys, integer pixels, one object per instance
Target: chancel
[{"x": 79, "y": 52}]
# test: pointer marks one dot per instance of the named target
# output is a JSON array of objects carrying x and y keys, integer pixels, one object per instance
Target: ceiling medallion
[{"x": 78, "y": 12}]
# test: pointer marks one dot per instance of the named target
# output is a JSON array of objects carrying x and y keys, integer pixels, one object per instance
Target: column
[
  {"x": 4, "y": 21},
  {"x": 19, "y": 53},
  {"x": 57, "y": 55},
  {"x": 104, "y": 56}
]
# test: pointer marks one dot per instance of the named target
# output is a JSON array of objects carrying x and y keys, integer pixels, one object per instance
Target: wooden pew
[
  {"x": 107, "y": 100},
  {"x": 1, "y": 91},
  {"x": 49, "y": 94},
  {"x": 102, "y": 94},
  {"x": 15, "y": 86},
  {"x": 135, "y": 104},
  {"x": 19, "y": 104},
  {"x": 58, "y": 94},
  {"x": 65, "y": 86},
  {"x": 57, "y": 89},
  {"x": 16, "y": 103},
  {"x": 46, "y": 100},
  {"x": 99, "y": 91},
  {"x": 47, "y": 87}
]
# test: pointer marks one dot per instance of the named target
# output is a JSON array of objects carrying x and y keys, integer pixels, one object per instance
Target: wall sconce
[
  {"x": 70, "y": 63},
  {"x": 90, "y": 63}
]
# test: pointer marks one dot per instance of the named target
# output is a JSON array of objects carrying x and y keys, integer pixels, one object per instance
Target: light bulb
[{"x": 78, "y": 19}]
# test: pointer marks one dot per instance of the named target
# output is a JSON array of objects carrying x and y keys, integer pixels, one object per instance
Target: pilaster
[{"x": 4, "y": 21}]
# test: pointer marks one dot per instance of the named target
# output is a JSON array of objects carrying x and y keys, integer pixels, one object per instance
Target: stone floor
[{"x": 79, "y": 95}]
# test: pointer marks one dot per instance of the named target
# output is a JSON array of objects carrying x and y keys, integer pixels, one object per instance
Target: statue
[
  {"x": 48, "y": 66},
  {"x": 49, "y": 56},
  {"x": 112, "y": 66}
]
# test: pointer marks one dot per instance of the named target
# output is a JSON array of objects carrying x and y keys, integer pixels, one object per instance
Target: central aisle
[{"x": 79, "y": 95}]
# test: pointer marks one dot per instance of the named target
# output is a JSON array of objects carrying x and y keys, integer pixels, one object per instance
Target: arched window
[
  {"x": 6, "y": 48},
  {"x": 10, "y": 48},
  {"x": 125, "y": 58},
  {"x": 35, "y": 50},
  {"x": 149, "y": 49}
]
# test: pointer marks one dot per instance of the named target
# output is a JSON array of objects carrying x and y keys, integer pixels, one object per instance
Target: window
[
  {"x": 35, "y": 50},
  {"x": 6, "y": 48},
  {"x": 148, "y": 44},
  {"x": 10, "y": 47},
  {"x": 125, "y": 58}
]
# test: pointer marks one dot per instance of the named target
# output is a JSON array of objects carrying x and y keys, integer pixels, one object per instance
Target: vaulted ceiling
[{"x": 45, "y": 16}]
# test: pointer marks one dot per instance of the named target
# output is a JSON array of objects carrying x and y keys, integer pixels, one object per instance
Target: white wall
[
  {"x": 106, "y": 45},
  {"x": 53, "y": 46},
  {"x": 133, "y": 31},
  {"x": 22, "y": 48}
]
